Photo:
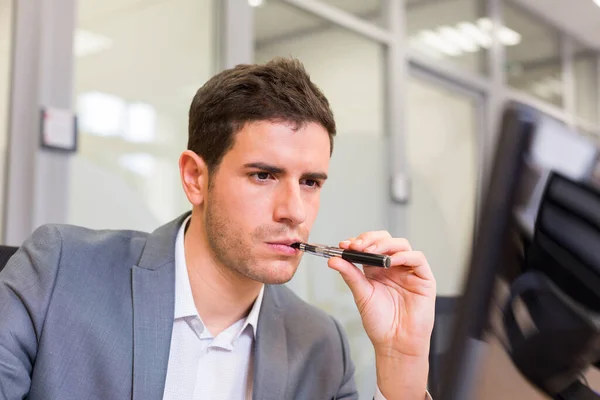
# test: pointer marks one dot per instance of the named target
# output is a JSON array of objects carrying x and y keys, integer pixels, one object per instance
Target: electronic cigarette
[{"x": 357, "y": 257}]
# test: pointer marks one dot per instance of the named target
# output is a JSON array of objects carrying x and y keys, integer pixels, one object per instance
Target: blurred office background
[{"x": 416, "y": 87}]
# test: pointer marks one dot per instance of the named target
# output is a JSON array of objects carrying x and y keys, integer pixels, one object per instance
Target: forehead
[{"x": 282, "y": 142}]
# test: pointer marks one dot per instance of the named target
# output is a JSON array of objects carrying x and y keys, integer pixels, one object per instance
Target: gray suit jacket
[{"x": 88, "y": 315}]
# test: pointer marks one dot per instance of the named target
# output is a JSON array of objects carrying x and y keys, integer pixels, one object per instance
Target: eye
[
  {"x": 261, "y": 176},
  {"x": 312, "y": 183}
]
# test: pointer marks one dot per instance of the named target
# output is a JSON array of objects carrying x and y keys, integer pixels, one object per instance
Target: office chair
[
  {"x": 551, "y": 225},
  {"x": 6, "y": 253},
  {"x": 560, "y": 289}
]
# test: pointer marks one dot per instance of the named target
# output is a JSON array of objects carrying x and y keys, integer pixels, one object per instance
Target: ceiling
[
  {"x": 580, "y": 18},
  {"x": 538, "y": 41}
]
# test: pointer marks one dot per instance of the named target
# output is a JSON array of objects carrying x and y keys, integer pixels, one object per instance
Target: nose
[{"x": 290, "y": 208}]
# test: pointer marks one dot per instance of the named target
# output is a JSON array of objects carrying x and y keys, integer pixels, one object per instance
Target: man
[{"x": 195, "y": 309}]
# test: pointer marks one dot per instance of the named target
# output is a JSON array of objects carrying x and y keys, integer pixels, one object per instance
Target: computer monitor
[{"x": 533, "y": 151}]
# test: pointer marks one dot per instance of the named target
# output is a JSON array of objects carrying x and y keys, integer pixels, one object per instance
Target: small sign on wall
[{"x": 58, "y": 129}]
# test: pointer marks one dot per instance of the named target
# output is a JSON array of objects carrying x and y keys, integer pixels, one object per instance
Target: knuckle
[
  {"x": 366, "y": 237},
  {"x": 378, "y": 238},
  {"x": 404, "y": 242},
  {"x": 381, "y": 241}
]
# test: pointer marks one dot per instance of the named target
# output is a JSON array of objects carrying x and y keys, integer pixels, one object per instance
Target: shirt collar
[
  {"x": 252, "y": 318},
  {"x": 184, "y": 300}
]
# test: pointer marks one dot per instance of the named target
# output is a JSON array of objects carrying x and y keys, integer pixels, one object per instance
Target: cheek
[
  {"x": 312, "y": 204},
  {"x": 250, "y": 207}
]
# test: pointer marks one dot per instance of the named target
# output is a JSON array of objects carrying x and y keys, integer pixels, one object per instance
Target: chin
[
  {"x": 275, "y": 274},
  {"x": 277, "y": 280}
]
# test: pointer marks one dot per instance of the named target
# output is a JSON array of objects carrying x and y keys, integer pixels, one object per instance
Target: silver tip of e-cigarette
[{"x": 387, "y": 262}]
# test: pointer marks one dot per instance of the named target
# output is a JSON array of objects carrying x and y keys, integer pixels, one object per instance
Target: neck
[{"x": 222, "y": 296}]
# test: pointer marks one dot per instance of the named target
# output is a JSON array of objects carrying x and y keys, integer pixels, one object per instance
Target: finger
[
  {"x": 355, "y": 279},
  {"x": 364, "y": 240},
  {"x": 414, "y": 260},
  {"x": 388, "y": 246},
  {"x": 344, "y": 244}
]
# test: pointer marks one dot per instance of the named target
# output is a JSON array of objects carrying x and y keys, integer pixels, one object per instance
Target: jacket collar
[{"x": 153, "y": 289}]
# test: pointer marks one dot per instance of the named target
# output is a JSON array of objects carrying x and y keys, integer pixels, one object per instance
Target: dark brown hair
[{"x": 278, "y": 91}]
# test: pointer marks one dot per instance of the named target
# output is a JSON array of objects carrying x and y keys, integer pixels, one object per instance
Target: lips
[
  {"x": 286, "y": 242},
  {"x": 283, "y": 246}
]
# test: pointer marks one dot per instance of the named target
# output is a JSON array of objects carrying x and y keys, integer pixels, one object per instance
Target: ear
[{"x": 194, "y": 177}]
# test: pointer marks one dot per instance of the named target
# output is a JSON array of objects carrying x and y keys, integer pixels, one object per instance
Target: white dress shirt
[{"x": 202, "y": 366}]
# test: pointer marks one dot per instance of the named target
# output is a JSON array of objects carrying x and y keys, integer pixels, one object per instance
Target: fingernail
[
  {"x": 347, "y": 242},
  {"x": 370, "y": 248},
  {"x": 359, "y": 241}
]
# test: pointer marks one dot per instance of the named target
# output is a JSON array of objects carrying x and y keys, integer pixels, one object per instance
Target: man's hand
[{"x": 397, "y": 308}]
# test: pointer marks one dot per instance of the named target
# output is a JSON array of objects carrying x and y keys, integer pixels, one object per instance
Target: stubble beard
[{"x": 233, "y": 249}]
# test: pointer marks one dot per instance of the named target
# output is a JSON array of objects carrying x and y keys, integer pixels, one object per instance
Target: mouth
[{"x": 284, "y": 246}]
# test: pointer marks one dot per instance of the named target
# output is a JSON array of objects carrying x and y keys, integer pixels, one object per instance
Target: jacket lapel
[
  {"x": 153, "y": 287},
  {"x": 270, "y": 353}
]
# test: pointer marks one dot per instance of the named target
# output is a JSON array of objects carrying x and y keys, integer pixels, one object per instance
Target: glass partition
[
  {"x": 442, "y": 147},
  {"x": 534, "y": 64},
  {"x": 585, "y": 78},
  {"x": 5, "y": 67},
  {"x": 138, "y": 66}
]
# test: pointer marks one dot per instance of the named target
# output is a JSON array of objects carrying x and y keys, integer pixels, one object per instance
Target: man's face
[{"x": 264, "y": 196}]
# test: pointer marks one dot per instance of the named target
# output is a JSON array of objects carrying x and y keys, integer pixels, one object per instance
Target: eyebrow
[{"x": 278, "y": 171}]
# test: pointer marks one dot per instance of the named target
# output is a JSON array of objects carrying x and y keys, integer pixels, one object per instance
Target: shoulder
[
  {"x": 74, "y": 244},
  {"x": 78, "y": 234},
  {"x": 76, "y": 238}
]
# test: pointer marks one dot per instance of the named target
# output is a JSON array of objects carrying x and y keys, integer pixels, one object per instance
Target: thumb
[{"x": 356, "y": 280}]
